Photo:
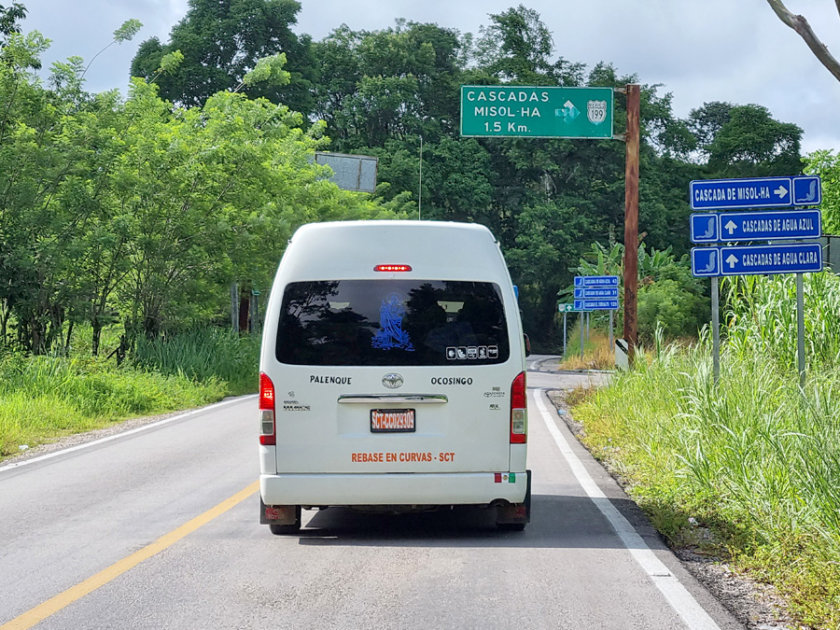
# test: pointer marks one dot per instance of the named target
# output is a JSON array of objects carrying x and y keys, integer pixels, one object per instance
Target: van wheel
[{"x": 282, "y": 530}]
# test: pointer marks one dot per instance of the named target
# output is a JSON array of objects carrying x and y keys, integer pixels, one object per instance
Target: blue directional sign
[
  {"x": 761, "y": 192},
  {"x": 770, "y": 259},
  {"x": 807, "y": 190},
  {"x": 596, "y": 305},
  {"x": 705, "y": 228},
  {"x": 589, "y": 293},
  {"x": 754, "y": 226},
  {"x": 596, "y": 281},
  {"x": 705, "y": 262},
  {"x": 757, "y": 192}
]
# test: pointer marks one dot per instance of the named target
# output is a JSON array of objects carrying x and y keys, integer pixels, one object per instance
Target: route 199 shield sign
[{"x": 596, "y": 111}]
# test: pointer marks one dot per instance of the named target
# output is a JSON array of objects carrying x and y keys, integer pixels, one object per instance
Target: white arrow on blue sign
[
  {"x": 755, "y": 226},
  {"x": 757, "y": 192},
  {"x": 596, "y": 281},
  {"x": 596, "y": 305}
]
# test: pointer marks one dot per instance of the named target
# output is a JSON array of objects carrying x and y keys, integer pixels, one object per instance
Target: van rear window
[{"x": 392, "y": 322}]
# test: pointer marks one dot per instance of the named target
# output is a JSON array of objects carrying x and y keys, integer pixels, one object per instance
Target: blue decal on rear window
[{"x": 392, "y": 336}]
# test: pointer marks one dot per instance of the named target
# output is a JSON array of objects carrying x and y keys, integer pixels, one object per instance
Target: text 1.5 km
[{"x": 510, "y": 127}]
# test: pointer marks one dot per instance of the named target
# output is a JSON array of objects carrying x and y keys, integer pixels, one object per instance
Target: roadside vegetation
[
  {"x": 596, "y": 354},
  {"x": 750, "y": 468},
  {"x": 44, "y": 398}
]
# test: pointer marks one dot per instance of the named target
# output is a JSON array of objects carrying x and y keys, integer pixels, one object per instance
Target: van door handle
[{"x": 366, "y": 399}]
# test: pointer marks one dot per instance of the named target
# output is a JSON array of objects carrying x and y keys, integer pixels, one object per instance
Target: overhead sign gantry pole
[{"x": 631, "y": 217}]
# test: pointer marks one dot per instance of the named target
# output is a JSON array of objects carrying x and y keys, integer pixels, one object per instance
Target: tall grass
[
  {"x": 203, "y": 355},
  {"x": 597, "y": 355},
  {"x": 42, "y": 398},
  {"x": 761, "y": 315},
  {"x": 754, "y": 459}
]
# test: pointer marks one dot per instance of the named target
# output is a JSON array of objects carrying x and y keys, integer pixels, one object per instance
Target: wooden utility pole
[{"x": 631, "y": 219}]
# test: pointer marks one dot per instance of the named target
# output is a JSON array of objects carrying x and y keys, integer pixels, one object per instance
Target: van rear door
[{"x": 393, "y": 375}]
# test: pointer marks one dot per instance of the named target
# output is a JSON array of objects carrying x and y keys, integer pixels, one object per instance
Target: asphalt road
[{"x": 159, "y": 529}]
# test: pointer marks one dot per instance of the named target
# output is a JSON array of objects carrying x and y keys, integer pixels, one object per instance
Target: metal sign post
[
  {"x": 716, "y": 330},
  {"x": 582, "y": 320},
  {"x": 565, "y": 309},
  {"x": 800, "y": 330},
  {"x": 565, "y": 317},
  {"x": 631, "y": 217}
]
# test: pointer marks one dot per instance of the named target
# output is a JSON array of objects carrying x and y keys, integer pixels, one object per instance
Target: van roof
[{"x": 435, "y": 250}]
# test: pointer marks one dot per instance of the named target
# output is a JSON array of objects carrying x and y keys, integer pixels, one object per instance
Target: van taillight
[
  {"x": 268, "y": 435},
  {"x": 518, "y": 411},
  {"x": 392, "y": 268}
]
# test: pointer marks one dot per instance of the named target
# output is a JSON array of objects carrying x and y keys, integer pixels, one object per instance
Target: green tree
[
  {"x": 826, "y": 164},
  {"x": 138, "y": 211},
  {"x": 395, "y": 84},
  {"x": 9, "y": 17},
  {"x": 40, "y": 167},
  {"x": 517, "y": 47},
  {"x": 706, "y": 121},
  {"x": 215, "y": 192},
  {"x": 221, "y": 41},
  {"x": 751, "y": 143}
]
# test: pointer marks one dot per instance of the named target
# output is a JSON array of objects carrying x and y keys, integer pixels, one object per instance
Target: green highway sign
[
  {"x": 566, "y": 308},
  {"x": 536, "y": 112}
]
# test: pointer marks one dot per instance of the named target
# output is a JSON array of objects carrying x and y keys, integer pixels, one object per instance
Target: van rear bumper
[{"x": 393, "y": 489}]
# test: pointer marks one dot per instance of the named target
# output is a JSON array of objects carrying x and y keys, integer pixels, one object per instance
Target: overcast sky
[{"x": 699, "y": 50}]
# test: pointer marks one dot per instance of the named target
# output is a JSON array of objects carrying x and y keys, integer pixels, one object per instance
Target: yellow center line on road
[{"x": 74, "y": 593}]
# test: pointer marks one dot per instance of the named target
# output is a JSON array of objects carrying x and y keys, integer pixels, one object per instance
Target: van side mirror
[{"x": 527, "y": 344}]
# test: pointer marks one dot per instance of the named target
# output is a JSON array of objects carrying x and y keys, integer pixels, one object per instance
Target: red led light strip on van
[{"x": 392, "y": 268}]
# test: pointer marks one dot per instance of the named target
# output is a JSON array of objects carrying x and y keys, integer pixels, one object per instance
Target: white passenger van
[{"x": 392, "y": 374}]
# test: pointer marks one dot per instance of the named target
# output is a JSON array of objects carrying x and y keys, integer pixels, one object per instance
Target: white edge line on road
[
  {"x": 115, "y": 436},
  {"x": 683, "y": 602}
]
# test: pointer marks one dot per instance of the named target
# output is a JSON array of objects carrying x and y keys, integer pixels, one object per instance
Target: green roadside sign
[
  {"x": 536, "y": 112},
  {"x": 566, "y": 308}
]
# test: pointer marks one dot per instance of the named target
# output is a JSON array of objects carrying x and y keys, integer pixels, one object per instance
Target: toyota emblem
[{"x": 392, "y": 381}]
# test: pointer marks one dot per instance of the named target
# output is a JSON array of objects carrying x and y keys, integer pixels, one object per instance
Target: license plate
[{"x": 392, "y": 420}]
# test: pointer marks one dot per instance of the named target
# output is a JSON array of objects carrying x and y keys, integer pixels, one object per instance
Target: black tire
[{"x": 283, "y": 530}]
